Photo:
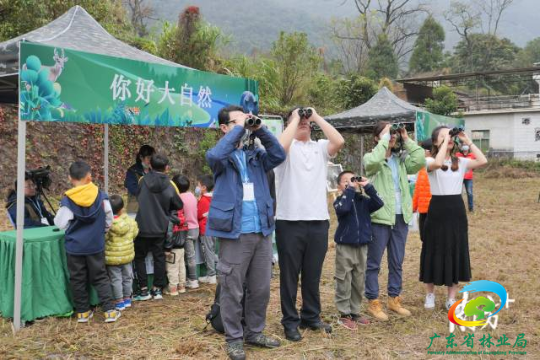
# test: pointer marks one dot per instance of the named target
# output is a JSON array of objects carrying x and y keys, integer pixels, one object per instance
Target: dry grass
[{"x": 505, "y": 247}]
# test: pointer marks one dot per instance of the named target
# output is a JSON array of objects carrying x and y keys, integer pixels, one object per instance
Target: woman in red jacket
[{"x": 422, "y": 192}]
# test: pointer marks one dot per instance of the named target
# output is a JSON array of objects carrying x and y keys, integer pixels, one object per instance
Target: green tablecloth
[{"x": 45, "y": 284}]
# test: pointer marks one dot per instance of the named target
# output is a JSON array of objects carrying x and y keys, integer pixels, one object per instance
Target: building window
[
  {"x": 537, "y": 134},
  {"x": 526, "y": 121},
  {"x": 481, "y": 139}
]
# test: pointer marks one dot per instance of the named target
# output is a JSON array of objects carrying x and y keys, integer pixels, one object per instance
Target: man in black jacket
[{"x": 157, "y": 197}]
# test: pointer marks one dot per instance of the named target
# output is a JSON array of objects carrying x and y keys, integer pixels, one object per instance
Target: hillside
[{"x": 254, "y": 25}]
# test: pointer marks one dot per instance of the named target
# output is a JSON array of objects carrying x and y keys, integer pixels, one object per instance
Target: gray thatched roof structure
[
  {"x": 76, "y": 30},
  {"x": 382, "y": 106}
]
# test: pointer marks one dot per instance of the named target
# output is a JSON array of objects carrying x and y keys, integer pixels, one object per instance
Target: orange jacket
[{"x": 422, "y": 193}]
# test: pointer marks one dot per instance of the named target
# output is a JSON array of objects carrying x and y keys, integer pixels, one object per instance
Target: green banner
[
  {"x": 57, "y": 84},
  {"x": 426, "y": 122}
]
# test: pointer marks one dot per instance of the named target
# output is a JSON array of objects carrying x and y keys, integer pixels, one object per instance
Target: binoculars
[
  {"x": 357, "y": 179},
  {"x": 305, "y": 113},
  {"x": 253, "y": 121},
  {"x": 397, "y": 126},
  {"x": 455, "y": 131}
]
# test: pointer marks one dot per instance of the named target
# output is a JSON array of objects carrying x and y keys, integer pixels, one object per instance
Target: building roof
[
  {"x": 462, "y": 76},
  {"x": 384, "y": 105}
]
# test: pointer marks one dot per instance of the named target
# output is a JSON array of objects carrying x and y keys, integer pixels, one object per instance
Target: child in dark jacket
[
  {"x": 353, "y": 233},
  {"x": 85, "y": 214},
  {"x": 157, "y": 197}
]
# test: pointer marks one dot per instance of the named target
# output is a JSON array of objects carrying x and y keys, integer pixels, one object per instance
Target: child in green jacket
[{"x": 120, "y": 252}]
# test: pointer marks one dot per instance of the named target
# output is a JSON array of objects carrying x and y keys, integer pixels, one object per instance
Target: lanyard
[
  {"x": 38, "y": 207},
  {"x": 243, "y": 166}
]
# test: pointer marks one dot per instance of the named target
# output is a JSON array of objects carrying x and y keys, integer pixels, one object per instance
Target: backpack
[{"x": 214, "y": 315}]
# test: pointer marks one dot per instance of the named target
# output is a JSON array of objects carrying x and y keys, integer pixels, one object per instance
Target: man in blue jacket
[{"x": 242, "y": 217}]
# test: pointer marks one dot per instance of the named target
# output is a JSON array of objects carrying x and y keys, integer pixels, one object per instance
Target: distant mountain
[
  {"x": 252, "y": 24},
  {"x": 255, "y": 24}
]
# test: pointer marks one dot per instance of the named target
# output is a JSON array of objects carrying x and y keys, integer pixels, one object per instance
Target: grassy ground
[{"x": 505, "y": 247}]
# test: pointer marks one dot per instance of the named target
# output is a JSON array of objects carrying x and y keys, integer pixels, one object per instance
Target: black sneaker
[
  {"x": 264, "y": 341},
  {"x": 156, "y": 294},
  {"x": 142, "y": 295},
  {"x": 320, "y": 325},
  {"x": 235, "y": 351}
]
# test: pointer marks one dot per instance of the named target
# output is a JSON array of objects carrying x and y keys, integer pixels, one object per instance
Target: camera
[
  {"x": 455, "y": 131},
  {"x": 396, "y": 127},
  {"x": 305, "y": 113},
  {"x": 253, "y": 121},
  {"x": 357, "y": 179},
  {"x": 41, "y": 177}
]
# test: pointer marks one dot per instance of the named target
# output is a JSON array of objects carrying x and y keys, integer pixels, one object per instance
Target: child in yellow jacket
[{"x": 120, "y": 252}]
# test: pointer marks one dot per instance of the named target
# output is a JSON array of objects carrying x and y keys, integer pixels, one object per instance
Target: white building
[
  {"x": 513, "y": 133},
  {"x": 502, "y": 126}
]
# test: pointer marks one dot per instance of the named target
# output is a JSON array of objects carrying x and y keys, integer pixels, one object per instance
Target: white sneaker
[
  {"x": 430, "y": 301},
  {"x": 208, "y": 279},
  {"x": 449, "y": 303},
  {"x": 192, "y": 284}
]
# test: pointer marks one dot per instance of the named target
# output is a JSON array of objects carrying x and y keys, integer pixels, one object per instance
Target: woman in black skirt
[{"x": 445, "y": 249}]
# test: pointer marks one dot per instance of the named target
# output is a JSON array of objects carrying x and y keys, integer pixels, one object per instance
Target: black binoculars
[
  {"x": 253, "y": 121},
  {"x": 305, "y": 113},
  {"x": 357, "y": 179},
  {"x": 455, "y": 131},
  {"x": 397, "y": 126}
]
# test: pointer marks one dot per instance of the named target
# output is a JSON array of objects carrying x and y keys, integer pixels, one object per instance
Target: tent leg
[
  {"x": 21, "y": 167},
  {"x": 361, "y": 154},
  {"x": 106, "y": 158}
]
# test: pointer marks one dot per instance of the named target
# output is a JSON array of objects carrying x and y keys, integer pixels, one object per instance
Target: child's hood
[
  {"x": 121, "y": 225},
  {"x": 84, "y": 195},
  {"x": 157, "y": 182}
]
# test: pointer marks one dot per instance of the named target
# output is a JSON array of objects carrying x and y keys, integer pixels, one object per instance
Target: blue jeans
[
  {"x": 393, "y": 238},
  {"x": 468, "y": 189}
]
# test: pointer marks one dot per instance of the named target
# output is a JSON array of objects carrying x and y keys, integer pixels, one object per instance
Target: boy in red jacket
[{"x": 208, "y": 243}]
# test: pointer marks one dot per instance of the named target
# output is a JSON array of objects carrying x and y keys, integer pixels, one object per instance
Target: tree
[
  {"x": 474, "y": 18},
  {"x": 396, "y": 19},
  {"x": 483, "y": 52},
  {"x": 530, "y": 54},
  {"x": 21, "y": 16},
  {"x": 428, "y": 47},
  {"x": 382, "y": 60},
  {"x": 295, "y": 62},
  {"x": 139, "y": 14},
  {"x": 192, "y": 42},
  {"x": 444, "y": 101},
  {"x": 356, "y": 90}
]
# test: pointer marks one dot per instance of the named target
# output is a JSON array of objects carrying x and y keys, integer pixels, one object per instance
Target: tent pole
[
  {"x": 106, "y": 158},
  {"x": 361, "y": 154},
  {"x": 21, "y": 166}
]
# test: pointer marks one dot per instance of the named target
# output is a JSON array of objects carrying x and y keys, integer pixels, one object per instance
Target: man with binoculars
[
  {"x": 241, "y": 215},
  {"x": 302, "y": 218}
]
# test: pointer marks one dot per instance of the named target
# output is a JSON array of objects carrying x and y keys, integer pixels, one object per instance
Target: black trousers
[
  {"x": 142, "y": 247},
  {"x": 302, "y": 246},
  {"x": 85, "y": 270},
  {"x": 421, "y": 224}
]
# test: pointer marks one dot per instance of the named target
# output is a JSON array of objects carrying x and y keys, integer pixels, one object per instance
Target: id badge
[
  {"x": 249, "y": 192},
  {"x": 44, "y": 221}
]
